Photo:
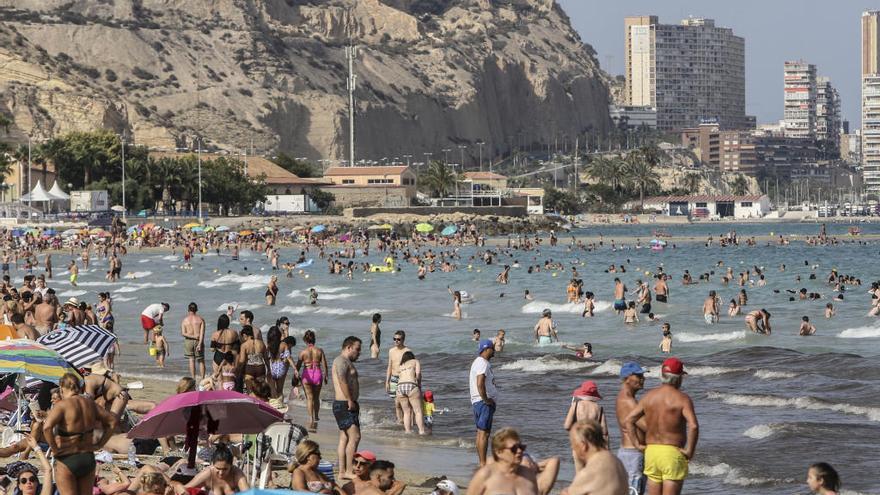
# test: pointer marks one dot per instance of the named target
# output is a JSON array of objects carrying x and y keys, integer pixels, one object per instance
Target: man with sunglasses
[
  {"x": 483, "y": 392},
  {"x": 602, "y": 473},
  {"x": 392, "y": 373},
  {"x": 633, "y": 379},
  {"x": 513, "y": 471}
]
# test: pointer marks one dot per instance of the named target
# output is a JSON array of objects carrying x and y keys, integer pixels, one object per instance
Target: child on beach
[
  {"x": 589, "y": 305},
  {"x": 584, "y": 352},
  {"x": 807, "y": 328},
  {"x": 829, "y": 310},
  {"x": 476, "y": 335},
  {"x": 428, "y": 408},
  {"x": 160, "y": 345},
  {"x": 225, "y": 374},
  {"x": 630, "y": 315},
  {"x": 666, "y": 342},
  {"x": 313, "y": 296}
]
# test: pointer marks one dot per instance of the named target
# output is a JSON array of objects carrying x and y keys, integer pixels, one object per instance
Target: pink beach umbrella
[{"x": 216, "y": 412}]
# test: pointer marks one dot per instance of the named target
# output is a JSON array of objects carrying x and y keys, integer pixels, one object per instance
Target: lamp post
[
  {"x": 124, "y": 209},
  {"x": 480, "y": 144},
  {"x": 461, "y": 148},
  {"x": 446, "y": 156},
  {"x": 200, "y": 178},
  {"x": 30, "y": 196}
]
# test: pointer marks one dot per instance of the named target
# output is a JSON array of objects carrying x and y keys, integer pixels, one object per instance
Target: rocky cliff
[{"x": 271, "y": 74}]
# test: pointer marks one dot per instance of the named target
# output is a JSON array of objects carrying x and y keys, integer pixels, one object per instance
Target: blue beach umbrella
[
  {"x": 318, "y": 229},
  {"x": 449, "y": 230},
  {"x": 222, "y": 228}
]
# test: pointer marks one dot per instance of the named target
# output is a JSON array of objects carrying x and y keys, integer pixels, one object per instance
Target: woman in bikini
[
  {"x": 409, "y": 392},
  {"x": 223, "y": 340},
  {"x": 272, "y": 291},
  {"x": 223, "y": 477},
  {"x": 305, "y": 477},
  {"x": 253, "y": 356},
  {"x": 280, "y": 362},
  {"x": 309, "y": 365},
  {"x": 375, "y": 335},
  {"x": 456, "y": 303},
  {"x": 104, "y": 311},
  {"x": 69, "y": 430}
]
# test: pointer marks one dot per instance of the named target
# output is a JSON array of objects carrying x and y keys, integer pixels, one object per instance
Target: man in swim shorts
[
  {"x": 671, "y": 431},
  {"x": 346, "y": 410},
  {"x": 545, "y": 329},
  {"x": 393, "y": 370},
  {"x": 481, "y": 384},
  {"x": 192, "y": 328},
  {"x": 619, "y": 296},
  {"x": 710, "y": 308},
  {"x": 633, "y": 377},
  {"x": 151, "y": 316}
]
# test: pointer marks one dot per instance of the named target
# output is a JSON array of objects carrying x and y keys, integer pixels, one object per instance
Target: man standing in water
[
  {"x": 710, "y": 308},
  {"x": 346, "y": 409},
  {"x": 193, "y": 330},
  {"x": 545, "y": 329},
  {"x": 671, "y": 431},
  {"x": 151, "y": 316},
  {"x": 661, "y": 290},
  {"x": 633, "y": 459},
  {"x": 619, "y": 296},
  {"x": 483, "y": 392},
  {"x": 393, "y": 371}
]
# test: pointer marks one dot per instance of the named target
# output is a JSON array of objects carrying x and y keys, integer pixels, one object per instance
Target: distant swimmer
[
  {"x": 823, "y": 479},
  {"x": 666, "y": 341},
  {"x": 619, "y": 296},
  {"x": 527, "y": 296},
  {"x": 829, "y": 310},
  {"x": 545, "y": 329},
  {"x": 456, "y": 303},
  {"x": 710, "y": 308},
  {"x": 74, "y": 272},
  {"x": 589, "y": 305},
  {"x": 806, "y": 328},
  {"x": 582, "y": 352}
]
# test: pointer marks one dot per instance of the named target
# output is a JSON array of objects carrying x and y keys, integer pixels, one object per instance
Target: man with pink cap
[
  {"x": 671, "y": 431},
  {"x": 585, "y": 406}
]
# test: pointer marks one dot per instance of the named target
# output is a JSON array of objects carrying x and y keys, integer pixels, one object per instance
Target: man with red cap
[
  {"x": 671, "y": 431},
  {"x": 363, "y": 461},
  {"x": 585, "y": 406}
]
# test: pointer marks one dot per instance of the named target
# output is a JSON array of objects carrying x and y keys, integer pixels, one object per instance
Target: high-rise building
[
  {"x": 689, "y": 72},
  {"x": 800, "y": 99},
  {"x": 871, "y": 100},
  {"x": 828, "y": 123}
]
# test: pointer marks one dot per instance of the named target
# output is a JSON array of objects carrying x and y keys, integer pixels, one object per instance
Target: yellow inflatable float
[{"x": 389, "y": 266}]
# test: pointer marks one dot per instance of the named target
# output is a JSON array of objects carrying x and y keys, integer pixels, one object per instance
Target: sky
[{"x": 822, "y": 32}]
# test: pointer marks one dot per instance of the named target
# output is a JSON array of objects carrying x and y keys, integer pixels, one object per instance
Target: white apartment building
[
  {"x": 689, "y": 72},
  {"x": 800, "y": 99},
  {"x": 871, "y": 101}
]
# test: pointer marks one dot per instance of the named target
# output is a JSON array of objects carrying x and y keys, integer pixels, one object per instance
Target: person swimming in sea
[
  {"x": 581, "y": 352},
  {"x": 545, "y": 329}
]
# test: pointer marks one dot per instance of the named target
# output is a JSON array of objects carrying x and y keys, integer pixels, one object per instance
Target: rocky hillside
[{"x": 272, "y": 73}]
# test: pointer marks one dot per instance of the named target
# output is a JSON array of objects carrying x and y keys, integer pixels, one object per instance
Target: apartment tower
[
  {"x": 828, "y": 123},
  {"x": 871, "y": 100},
  {"x": 800, "y": 100},
  {"x": 691, "y": 72}
]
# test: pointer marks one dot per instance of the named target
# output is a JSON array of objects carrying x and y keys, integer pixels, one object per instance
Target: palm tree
[
  {"x": 438, "y": 179},
  {"x": 607, "y": 171},
  {"x": 6, "y": 122},
  {"x": 692, "y": 182},
  {"x": 652, "y": 154},
  {"x": 640, "y": 173},
  {"x": 739, "y": 185}
]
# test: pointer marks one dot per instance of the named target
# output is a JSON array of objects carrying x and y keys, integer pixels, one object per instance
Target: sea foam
[
  {"x": 807, "y": 403},
  {"x": 711, "y": 337}
]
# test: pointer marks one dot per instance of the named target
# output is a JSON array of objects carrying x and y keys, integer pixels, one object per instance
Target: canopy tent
[
  {"x": 57, "y": 192},
  {"x": 38, "y": 195}
]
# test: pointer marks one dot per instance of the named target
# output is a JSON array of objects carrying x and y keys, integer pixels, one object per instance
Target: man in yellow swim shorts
[{"x": 671, "y": 431}]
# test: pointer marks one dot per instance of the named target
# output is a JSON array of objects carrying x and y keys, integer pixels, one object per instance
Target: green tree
[
  {"x": 652, "y": 154},
  {"x": 607, "y": 171},
  {"x": 561, "y": 201},
  {"x": 640, "y": 174},
  {"x": 692, "y": 182},
  {"x": 300, "y": 168},
  {"x": 322, "y": 198},
  {"x": 224, "y": 183},
  {"x": 6, "y": 122},
  {"x": 739, "y": 185},
  {"x": 438, "y": 180}
]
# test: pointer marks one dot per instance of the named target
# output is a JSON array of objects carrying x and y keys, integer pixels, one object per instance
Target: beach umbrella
[
  {"x": 345, "y": 237},
  {"x": 25, "y": 357},
  {"x": 209, "y": 228},
  {"x": 70, "y": 232},
  {"x": 285, "y": 230},
  {"x": 424, "y": 228},
  {"x": 198, "y": 229},
  {"x": 96, "y": 231},
  {"x": 7, "y": 332},
  {"x": 17, "y": 233},
  {"x": 267, "y": 229},
  {"x": 80, "y": 345},
  {"x": 132, "y": 229},
  {"x": 217, "y": 412},
  {"x": 245, "y": 232},
  {"x": 384, "y": 226},
  {"x": 449, "y": 230},
  {"x": 50, "y": 232},
  {"x": 191, "y": 225},
  {"x": 222, "y": 228},
  {"x": 318, "y": 229}
]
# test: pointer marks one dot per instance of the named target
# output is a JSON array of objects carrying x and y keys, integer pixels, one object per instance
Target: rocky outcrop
[{"x": 271, "y": 74}]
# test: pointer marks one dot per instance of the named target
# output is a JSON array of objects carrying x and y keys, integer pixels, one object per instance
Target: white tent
[
  {"x": 38, "y": 195},
  {"x": 57, "y": 192}
]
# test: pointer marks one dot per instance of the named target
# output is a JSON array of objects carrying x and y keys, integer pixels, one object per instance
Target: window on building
[
  {"x": 380, "y": 181},
  {"x": 348, "y": 181},
  {"x": 746, "y": 204},
  {"x": 408, "y": 182},
  {"x": 702, "y": 205}
]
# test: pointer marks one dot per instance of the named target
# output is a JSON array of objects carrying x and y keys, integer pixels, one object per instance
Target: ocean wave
[
  {"x": 608, "y": 368},
  {"x": 144, "y": 261},
  {"x": 537, "y": 307},
  {"x": 774, "y": 375},
  {"x": 134, "y": 275},
  {"x": 807, "y": 403},
  {"x": 245, "y": 281},
  {"x": 123, "y": 299},
  {"x": 299, "y": 310},
  {"x": 860, "y": 333},
  {"x": 148, "y": 285},
  {"x": 547, "y": 363},
  {"x": 73, "y": 293},
  {"x": 730, "y": 475},
  {"x": 762, "y": 431},
  {"x": 711, "y": 337},
  {"x": 170, "y": 257},
  {"x": 239, "y": 306},
  {"x": 712, "y": 370},
  {"x": 370, "y": 312}
]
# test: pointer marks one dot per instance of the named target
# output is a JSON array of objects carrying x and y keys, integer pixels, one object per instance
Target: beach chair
[{"x": 275, "y": 449}]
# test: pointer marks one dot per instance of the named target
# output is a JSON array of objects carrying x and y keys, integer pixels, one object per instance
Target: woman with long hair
[
  {"x": 305, "y": 476},
  {"x": 409, "y": 392},
  {"x": 280, "y": 362}
]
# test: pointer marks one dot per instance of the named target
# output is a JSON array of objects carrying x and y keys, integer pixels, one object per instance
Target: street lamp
[
  {"x": 480, "y": 144},
  {"x": 200, "y": 177},
  {"x": 461, "y": 148},
  {"x": 446, "y": 156},
  {"x": 124, "y": 209}
]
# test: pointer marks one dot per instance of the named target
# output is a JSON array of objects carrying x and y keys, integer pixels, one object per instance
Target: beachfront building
[
  {"x": 800, "y": 99},
  {"x": 710, "y": 207},
  {"x": 386, "y": 186},
  {"x": 688, "y": 72},
  {"x": 21, "y": 179},
  {"x": 828, "y": 123},
  {"x": 633, "y": 117},
  {"x": 871, "y": 100},
  {"x": 726, "y": 150}
]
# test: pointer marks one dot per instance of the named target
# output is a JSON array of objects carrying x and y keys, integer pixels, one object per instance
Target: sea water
[{"x": 768, "y": 406}]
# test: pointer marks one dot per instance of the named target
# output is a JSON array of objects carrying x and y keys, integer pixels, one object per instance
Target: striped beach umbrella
[
  {"x": 80, "y": 345},
  {"x": 22, "y": 356}
]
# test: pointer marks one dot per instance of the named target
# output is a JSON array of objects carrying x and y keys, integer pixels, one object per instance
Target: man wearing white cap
[{"x": 633, "y": 377}]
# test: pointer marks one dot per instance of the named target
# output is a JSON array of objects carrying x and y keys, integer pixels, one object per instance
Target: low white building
[{"x": 706, "y": 206}]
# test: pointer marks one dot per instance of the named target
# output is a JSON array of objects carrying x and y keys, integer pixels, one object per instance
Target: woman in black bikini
[
  {"x": 272, "y": 291},
  {"x": 223, "y": 340},
  {"x": 69, "y": 430}
]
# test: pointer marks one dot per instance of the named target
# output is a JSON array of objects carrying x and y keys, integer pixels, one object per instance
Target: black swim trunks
[{"x": 345, "y": 419}]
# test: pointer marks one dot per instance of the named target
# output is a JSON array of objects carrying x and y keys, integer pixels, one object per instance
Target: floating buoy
[{"x": 306, "y": 275}]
